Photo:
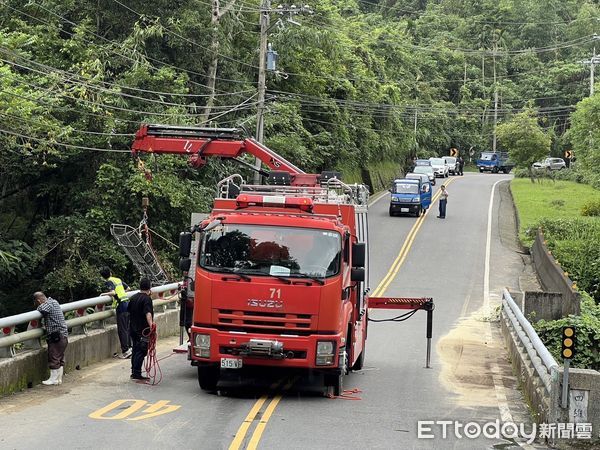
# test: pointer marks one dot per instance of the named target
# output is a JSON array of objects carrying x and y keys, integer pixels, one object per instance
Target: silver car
[
  {"x": 439, "y": 167},
  {"x": 551, "y": 164},
  {"x": 452, "y": 164},
  {"x": 427, "y": 170}
]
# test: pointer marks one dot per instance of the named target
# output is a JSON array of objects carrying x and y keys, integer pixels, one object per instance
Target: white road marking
[{"x": 505, "y": 414}]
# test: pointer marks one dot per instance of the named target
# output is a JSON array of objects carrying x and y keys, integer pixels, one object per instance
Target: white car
[
  {"x": 452, "y": 164},
  {"x": 551, "y": 164},
  {"x": 427, "y": 170},
  {"x": 440, "y": 169}
]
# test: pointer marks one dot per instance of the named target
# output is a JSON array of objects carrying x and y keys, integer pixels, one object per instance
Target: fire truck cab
[{"x": 280, "y": 280}]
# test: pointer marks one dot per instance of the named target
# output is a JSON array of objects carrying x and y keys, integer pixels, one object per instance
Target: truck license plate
[
  {"x": 231, "y": 363},
  {"x": 403, "y": 209}
]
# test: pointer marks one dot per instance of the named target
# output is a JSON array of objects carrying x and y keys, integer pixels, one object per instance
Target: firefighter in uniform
[{"x": 117, "y": 289}]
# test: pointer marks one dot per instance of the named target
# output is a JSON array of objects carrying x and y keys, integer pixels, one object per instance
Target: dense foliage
[{"x": 362, "y": 86}]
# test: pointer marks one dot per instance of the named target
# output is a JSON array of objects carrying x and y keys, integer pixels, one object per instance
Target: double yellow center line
[
  {"x": 261, "y": 420},
  {"x": 385, "y": 282}
]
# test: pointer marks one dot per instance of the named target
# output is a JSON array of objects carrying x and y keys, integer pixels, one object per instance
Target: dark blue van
[{"x": 410, "y": 196}]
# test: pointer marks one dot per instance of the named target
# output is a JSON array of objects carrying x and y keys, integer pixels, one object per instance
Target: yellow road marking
[
  {"x": 260, "y": 428},
  {"x": 241, "y": 433},
  {"x": 395, "y": 267},
  {"x": 135, "y": 406}
]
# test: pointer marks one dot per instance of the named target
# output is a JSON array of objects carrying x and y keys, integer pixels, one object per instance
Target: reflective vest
[{"x": 120, "y": 294}]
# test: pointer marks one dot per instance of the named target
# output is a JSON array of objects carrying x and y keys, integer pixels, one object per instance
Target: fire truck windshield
[{"x": 271, "y": 251}]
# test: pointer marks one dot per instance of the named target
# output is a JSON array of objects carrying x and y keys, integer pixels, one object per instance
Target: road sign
[
  {"x": 453, "y": 152},
  {"x": 568, "y": 342},
  {"x": 568, "y": 154}
]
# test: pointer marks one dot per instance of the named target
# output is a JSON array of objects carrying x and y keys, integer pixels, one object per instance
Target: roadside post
[
  {"x": 567, "y": 352},
  {"x": 412, "y": 305}
]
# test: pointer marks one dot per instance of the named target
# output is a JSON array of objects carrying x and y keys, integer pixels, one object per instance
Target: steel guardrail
[
  {"x": 8, "y": 338},
  {"x": 543, "y": 362}
]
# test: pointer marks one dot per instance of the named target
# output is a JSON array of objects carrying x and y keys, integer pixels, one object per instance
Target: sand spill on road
[{"x": 466, "y": 358}]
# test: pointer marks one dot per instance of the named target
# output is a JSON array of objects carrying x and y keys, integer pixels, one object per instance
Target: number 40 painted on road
[{"x": 153, "y": 409}]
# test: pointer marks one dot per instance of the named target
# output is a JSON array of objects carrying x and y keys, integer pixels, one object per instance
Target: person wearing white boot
[{"x": 56, "y": 336}]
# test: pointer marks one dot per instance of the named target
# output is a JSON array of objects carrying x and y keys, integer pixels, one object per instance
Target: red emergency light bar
[{"x": 302, "y": 203}]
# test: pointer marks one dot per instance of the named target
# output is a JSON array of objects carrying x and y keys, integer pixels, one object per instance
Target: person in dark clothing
[
  {"x": 443, "y": 202},
  {"x": 117, "y": 290},
  {"x": 461, "y": 165},
  {"x": 57, "y": 332},
  {"x": 141, "y": 321}
]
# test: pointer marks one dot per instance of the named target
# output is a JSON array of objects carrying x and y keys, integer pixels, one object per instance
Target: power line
[
  {"x": 62, "y": 144},
  {"x": 189, "y": 41}
]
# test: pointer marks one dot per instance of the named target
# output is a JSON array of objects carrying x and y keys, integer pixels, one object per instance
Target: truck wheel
[
  {"x": 418, "y": 212},
  {"x": 505, "y": 170},
  {"x": 480, "y": 170},
  {"x": 495, "y": 170},
  {"x": 208, "y": 376},
  {"x": 391, "y": 213}
]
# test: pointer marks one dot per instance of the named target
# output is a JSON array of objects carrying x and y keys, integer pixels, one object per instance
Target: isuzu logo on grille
[{"x": 275, "y": 304}]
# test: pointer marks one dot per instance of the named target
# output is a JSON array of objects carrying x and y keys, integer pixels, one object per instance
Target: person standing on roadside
[
  {"x": 443, "y": 201},
  {"x": 56, "y": 335},
  {"x": 117, "y": 290},
  {"x": 461, "y": 164},
  {"x": 141, "y": 324}
]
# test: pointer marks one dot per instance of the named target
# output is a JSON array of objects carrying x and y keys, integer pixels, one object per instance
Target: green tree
[{"x": 524, "y": 139}]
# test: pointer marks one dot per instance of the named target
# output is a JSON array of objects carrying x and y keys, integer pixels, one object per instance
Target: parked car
[
  {"x": 452, "y": 164},
  {"x": 551, "y": 164},
  {"x": 439, "y": 167},
  {"x": 424, "y": 178},
  {"x": 427, "y": 170},
  {"x": 410, "y": 196}
]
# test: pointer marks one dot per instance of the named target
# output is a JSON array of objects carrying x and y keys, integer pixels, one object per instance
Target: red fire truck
[{"x": 278, "y": 272}]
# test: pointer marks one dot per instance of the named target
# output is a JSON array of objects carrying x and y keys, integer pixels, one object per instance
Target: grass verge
[{"x": 548, "y": 199}]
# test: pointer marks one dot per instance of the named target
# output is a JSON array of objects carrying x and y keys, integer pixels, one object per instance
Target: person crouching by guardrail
[
  {"x": 56, "y": 335},
  {"x": 141, "y": 319}
]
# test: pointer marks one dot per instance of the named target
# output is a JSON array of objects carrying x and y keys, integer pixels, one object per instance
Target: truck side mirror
[
  {"x": 358, "y": 255},
  {"x": 185, "y": 264},
  {"x": 185, "y": 244},
  {"x": 357, "y": 274}
]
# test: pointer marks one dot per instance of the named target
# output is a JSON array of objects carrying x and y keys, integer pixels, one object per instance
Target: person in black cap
[{"x": 141, "y": 324}]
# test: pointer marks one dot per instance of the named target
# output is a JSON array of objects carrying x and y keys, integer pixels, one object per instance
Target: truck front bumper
[
  {"x": 404, "y": 207},
  {"x": 257, "y": 349}
]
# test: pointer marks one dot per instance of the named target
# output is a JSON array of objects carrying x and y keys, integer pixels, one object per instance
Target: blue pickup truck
[
  {"x": 494, "y": 162},
  {"x": 410, "y": 196}
]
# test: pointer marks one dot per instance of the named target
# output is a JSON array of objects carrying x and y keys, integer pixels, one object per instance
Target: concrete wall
[
  {"x": 587, "y": 381},
  {"x": 552, "y": 276},
  {"x": 542, "y": 305},
  {"x": 30, "y": 368}
]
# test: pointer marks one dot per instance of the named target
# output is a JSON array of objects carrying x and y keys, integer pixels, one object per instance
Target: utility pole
[
  {"x": 264, "y": 48},
  {"x": 494, "y": 143},
  {"x": 262, "y": 77},
  {"x": 592, "y": 62}
]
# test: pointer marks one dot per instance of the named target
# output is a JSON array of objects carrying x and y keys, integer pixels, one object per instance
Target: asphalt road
[{"x": 470, "y": 379}]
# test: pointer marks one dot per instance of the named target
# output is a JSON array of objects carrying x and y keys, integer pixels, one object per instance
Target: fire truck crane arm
[{"x": 201, "y": 143}]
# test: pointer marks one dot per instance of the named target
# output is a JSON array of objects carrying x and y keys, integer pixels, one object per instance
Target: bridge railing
[
  {"x": 163, "y": 296},
  {"x": 541, "y": 359}
]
